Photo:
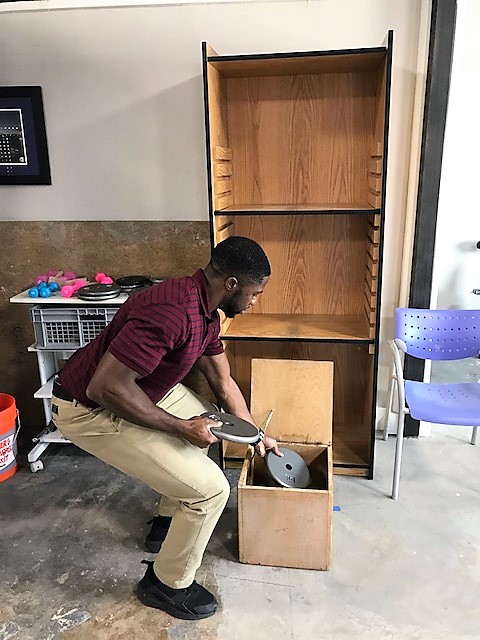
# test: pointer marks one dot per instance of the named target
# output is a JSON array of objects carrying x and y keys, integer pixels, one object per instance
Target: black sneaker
[
  {"x": 158, "y": 533},
  {"x": 192, "y": 603}
]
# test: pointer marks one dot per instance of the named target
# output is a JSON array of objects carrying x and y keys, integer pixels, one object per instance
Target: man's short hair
[{"x": 241, "y": 257}]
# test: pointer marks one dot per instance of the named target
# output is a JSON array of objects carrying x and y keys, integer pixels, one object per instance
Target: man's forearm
[{"x": 136, "y": 407}]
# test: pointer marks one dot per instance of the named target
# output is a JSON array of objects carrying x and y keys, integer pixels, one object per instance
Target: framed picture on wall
[{"x": 23, "y": 138}]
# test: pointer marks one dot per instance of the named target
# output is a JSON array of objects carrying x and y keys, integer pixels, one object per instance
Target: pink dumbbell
[
  {"x": 69, "y": 289},
  {"x": 102, "y": 278},
  {"x": 39, "y": 279},
  {"x": 55, "y": 273},
  {"x": 55, "y": 276}
]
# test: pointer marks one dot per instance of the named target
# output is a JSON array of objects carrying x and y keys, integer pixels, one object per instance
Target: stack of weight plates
[
  {"x": 99, "y": 292},
  {"x": 131, "y": 284}
]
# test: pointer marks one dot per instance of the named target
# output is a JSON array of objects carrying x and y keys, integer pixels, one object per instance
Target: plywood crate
[{"x": 280, "y": 526}]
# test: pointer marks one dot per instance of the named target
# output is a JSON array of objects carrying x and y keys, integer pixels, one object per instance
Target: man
[{"x": 121, "y": 398}]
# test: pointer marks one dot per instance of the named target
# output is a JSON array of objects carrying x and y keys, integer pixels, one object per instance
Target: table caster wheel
[{"x": 36, "y": 466}]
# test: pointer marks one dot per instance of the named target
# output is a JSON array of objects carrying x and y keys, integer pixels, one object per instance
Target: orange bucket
[{"x": 8, "y": 436}]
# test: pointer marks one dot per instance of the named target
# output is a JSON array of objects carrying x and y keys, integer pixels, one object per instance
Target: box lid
[{"x": 301, "y": 394}]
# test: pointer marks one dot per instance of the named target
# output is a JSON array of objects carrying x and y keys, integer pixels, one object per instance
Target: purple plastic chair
[{"x": 433, "y": 335}]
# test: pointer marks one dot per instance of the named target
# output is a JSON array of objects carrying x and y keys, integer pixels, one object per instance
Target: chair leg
[
  {"x": 398, "y": 454},
  {"x": 474, "y": 436},
  {"x": 391, "y": 388}
]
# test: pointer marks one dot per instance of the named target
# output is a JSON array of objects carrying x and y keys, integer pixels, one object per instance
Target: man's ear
[{"x": 231, "y": 283}]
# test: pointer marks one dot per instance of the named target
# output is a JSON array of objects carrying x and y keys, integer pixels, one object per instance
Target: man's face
[{"x": 243, "y": 297}]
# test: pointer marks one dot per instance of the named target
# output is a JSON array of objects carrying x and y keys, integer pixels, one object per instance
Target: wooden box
[{"x": 281, "y": 526}]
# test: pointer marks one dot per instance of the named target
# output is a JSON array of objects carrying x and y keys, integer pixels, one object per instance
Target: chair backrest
[{"x": 439, "y": 334}]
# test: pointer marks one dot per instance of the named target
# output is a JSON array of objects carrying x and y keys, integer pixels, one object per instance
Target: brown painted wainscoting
[{"x": 115, "y": 248}]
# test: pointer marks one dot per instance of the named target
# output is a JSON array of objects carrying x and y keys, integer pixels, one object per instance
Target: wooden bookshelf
[{"x": 297, "y": 160}]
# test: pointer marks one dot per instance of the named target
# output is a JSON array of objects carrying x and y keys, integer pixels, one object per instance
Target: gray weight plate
[
  {"x": 99, "y": 291},
  {"x": 133, "y": 282},
  {"x": 233, "y": 429},
  {"x": 99, "y": 298},
  {"x": 288, "y": 471}
]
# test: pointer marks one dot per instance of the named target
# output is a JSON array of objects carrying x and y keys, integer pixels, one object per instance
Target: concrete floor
[
  {"x": 466, "y": 370},
  {"x": 71, "y": 546}
]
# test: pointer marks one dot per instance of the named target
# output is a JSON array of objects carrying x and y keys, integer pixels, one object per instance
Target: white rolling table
[{"x": 48, "y": 360}]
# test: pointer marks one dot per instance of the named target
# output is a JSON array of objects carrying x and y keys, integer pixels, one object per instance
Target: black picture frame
[{"x": 23, "y": 137}]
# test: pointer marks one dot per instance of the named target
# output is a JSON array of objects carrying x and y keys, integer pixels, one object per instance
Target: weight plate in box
[{"x": 289, "y": 470}]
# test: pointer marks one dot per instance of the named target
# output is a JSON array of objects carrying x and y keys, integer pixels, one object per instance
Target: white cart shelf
[{"x": 49, "y": 361}]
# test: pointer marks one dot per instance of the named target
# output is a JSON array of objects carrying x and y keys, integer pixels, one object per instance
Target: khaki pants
[{"x": 194, "y": 489}]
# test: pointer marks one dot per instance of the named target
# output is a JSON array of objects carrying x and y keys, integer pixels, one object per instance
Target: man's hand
[
  {"x": 197, "y": 431},
  {"x": 268, "y": 443}
]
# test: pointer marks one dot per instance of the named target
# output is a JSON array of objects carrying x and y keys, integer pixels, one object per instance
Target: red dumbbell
[
  {"x": 69, "y": 289},
  {"x": 102, "y": 278}
]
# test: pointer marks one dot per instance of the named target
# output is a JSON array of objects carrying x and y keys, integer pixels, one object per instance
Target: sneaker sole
[{"x": 149, "y": 601}]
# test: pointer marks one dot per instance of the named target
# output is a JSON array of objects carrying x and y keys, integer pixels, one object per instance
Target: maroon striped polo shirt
[{"x": 159, "y": 332}]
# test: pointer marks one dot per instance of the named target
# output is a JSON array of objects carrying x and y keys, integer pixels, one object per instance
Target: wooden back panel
[
  {"x": 352, "y": 364},
  {"x": 301, "y": 394},
  {"x": 301, "y": 139},
  {"x": 318, "y": 262}
]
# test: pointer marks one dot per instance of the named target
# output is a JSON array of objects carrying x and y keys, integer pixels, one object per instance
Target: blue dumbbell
[{"x": 43, "y": 290}]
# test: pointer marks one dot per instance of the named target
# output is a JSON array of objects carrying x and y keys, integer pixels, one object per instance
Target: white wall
[
  {"x": 123, "y": 95},
  {"x": 457, "y": 260}
]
